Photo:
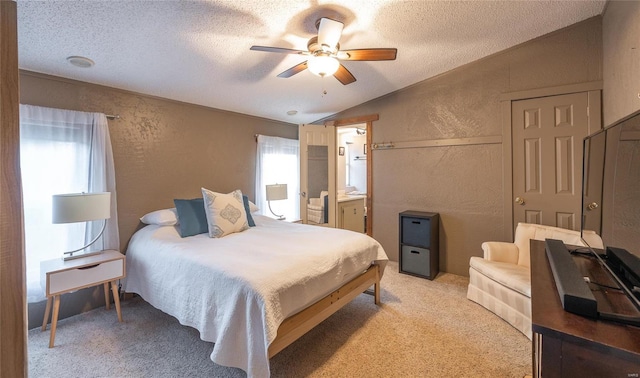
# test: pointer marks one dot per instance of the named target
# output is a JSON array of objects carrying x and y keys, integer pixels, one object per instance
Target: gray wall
[
  {"x": 464, "y": 183},
  {"x": 621, "y": 60}
]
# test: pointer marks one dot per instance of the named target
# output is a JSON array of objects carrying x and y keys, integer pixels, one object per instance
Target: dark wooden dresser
[{"x": 569, "y": 345}]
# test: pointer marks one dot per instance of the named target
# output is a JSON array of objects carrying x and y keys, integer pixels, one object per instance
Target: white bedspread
[{"x": 238, "y": 289}]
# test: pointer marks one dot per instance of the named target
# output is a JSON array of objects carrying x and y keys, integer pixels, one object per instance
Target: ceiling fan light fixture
[
  {"x": 324, "y": 53},
  {"x": 323, "y": 65}
]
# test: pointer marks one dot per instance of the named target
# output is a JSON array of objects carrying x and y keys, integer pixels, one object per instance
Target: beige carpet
[{"x": 423, "y": 329}]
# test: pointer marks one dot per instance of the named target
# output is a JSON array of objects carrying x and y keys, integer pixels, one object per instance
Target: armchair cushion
[
  {"x": 527, "y": 231},
  {"x": 500, "y": 252},
  {"x": 314, "y": 203},
  {"x": 511, "y": 275},
  {"x": 592, "y": 239}
]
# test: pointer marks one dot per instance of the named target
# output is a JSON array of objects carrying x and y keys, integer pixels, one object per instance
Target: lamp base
[
  {"x": 77, "y": 255},
  {"x": 70, "y": 254},
  {"x": 278, "y": 217}
]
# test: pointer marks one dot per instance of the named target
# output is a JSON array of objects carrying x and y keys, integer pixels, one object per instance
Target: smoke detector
[{"x": 80, "y": 61}]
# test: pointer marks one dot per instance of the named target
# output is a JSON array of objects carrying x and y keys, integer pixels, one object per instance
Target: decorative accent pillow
[
  {"x": 165, "y": 217},
  {"x": 253, "y": 207},
  {"x": 225, "y": 213},
  {"x": 191, "y": 216},
  {"x": 247, "y": 210}
]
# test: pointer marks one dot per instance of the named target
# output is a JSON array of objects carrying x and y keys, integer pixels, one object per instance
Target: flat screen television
[{"x": 611, "y": 197}]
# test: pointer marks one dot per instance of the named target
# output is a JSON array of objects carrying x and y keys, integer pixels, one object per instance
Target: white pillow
[
  {"x": 253, "y": 207},
  {"x": 165, "y": 217},
  {"x": 225, "y": 213}
]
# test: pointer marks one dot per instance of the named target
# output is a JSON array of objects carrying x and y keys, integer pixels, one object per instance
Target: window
[
  {"x": 278, "y": 162},
  {"x": 61, "y": 151}
]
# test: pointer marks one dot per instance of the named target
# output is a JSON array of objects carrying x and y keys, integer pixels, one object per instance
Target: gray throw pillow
[{"x": 192, "y": 218}]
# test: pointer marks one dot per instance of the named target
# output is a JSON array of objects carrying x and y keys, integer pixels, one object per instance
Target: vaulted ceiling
[{"x": 199, "y": 51}]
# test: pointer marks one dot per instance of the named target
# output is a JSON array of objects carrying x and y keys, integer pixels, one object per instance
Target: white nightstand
[{"x": 60, "y": 277}]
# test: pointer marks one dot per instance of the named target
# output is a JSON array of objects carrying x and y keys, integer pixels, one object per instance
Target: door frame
[
  {"x": 368, "y": 121},
  {"x": 594, "y": 108}
]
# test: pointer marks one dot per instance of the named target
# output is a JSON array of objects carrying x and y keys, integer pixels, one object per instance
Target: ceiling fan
[{"x": 324, "y": 53}]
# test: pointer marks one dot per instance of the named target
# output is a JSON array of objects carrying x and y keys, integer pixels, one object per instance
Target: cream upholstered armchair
[{"x": 501, "y": 280}]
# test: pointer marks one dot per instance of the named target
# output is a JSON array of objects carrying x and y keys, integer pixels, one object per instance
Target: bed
[{"x": 255, "y": 292}]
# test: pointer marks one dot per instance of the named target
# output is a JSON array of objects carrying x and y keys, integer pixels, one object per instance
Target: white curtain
[
  {"x": 278, "y": 162},
  {"x": 62, "y": 151}
]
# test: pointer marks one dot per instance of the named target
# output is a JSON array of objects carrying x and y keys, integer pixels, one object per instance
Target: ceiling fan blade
[
  {"x": 294, "y": 70},
  {"x": 329, "y": 32},
  {"x": 344, "y": 76},
  {"x": 278, "y": 50},
  {"x": 368, "y": 54}
]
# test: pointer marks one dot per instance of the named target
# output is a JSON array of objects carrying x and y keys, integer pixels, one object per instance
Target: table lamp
[
  {"x": 276, "y": 192},
  {"x": 81, "y": 207}
]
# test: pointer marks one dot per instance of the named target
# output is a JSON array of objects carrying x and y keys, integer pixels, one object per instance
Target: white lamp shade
[
  {"x": 276, "y": 192},
  {"x": 81, "y": 207},
  {"x": 323, "y": 65}
]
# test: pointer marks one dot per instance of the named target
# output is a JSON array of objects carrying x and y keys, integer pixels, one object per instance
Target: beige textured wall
[
  {"x": 464, "y": 183},
  {"x": 162, "y": 149},
  {"x": 621, "y": 60}
]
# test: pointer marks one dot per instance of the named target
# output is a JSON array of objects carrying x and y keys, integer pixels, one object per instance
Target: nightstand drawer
[{"x": 78, "y": 278}]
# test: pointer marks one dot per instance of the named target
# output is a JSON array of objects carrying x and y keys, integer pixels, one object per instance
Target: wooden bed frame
[{"x": 293, "y": 327}]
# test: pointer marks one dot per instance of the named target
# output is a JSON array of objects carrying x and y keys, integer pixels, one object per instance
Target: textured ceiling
[{"x": 198, "y": 51}]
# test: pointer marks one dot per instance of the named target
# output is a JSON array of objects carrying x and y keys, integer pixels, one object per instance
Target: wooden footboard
[{"x": 297, "y": 325}]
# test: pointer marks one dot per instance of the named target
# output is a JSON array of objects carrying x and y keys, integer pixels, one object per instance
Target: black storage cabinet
[{"x": 419, "y": 253}]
